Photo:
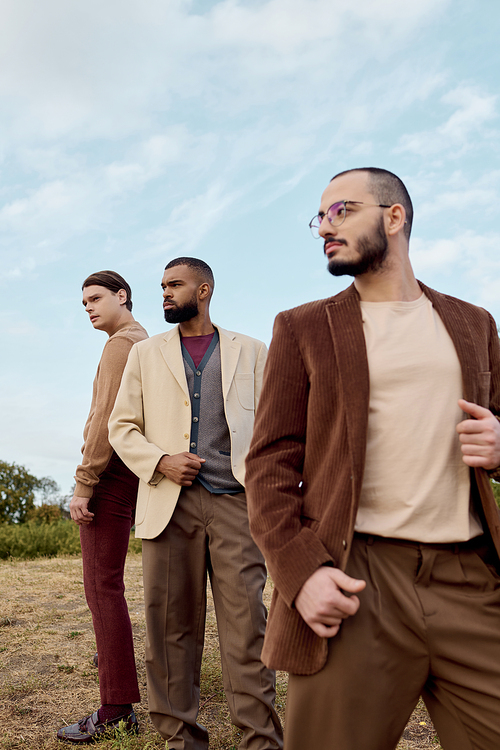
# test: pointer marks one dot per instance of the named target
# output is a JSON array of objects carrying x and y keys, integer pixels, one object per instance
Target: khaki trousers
[
  {"x": 207, "y": 533},
  {"x": 428, "y": 624}
]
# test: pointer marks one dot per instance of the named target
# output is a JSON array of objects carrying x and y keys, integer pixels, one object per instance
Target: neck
[
  {"x": 126, "y": 318},
  {"x": 394, "y": 282},
  {"x": 201, "y": 325}
]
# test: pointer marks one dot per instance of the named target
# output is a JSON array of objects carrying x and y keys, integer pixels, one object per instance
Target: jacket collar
[{"x": 229, "y": 354}]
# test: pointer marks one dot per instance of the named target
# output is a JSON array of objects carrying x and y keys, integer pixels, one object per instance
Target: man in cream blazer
[{"x": 183, "y": 421}]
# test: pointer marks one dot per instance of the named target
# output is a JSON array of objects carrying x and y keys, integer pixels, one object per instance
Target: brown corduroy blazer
[{"x": 305, "y": 465}]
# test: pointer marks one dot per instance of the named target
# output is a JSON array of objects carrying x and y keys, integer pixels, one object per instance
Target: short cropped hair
[
  {"x": 199, "y": 266},
  {"x": 112, "y": 281},
  {"x": 387, "y": 188}
]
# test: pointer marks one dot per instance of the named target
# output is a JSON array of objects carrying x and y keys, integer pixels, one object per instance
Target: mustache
[{"x": 329, "y": 238}]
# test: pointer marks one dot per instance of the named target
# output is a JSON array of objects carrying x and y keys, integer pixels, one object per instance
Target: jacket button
[
  {"x": 186, "y": 436},
  {"x": 186, "y": 403}
]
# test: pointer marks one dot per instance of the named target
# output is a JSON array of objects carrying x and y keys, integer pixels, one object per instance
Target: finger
[
  {"x": 345, "y": 582},
  {"x": 476, "y": 411},
  {"x": 324, "y": 631},
  {"x": 472, "y": 438},
  {"x": 471, "y": 426}
]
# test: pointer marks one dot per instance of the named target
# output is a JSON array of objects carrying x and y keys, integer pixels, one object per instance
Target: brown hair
[{"x": 112, "y": 281}]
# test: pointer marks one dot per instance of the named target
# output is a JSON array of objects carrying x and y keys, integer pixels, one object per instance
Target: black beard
[
  {"x": 183, "y": 313},
  {"x": 372, "y": 254}
]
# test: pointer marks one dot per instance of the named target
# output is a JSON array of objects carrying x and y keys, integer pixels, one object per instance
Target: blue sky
[{"x": 135, "y": 131}]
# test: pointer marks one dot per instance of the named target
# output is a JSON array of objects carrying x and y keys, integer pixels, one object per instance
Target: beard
[
  {"x": 182, "y": 313},
  {"x": 372, "y": 253}
]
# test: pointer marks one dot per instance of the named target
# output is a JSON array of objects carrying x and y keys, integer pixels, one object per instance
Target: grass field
[{"x": 47, "y": 678}]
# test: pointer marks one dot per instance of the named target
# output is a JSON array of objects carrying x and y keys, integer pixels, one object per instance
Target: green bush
[
  {"x": 496, "y": 490},
  {"x": 26, "y": 541},
  {"x": 44, "y": 513}
]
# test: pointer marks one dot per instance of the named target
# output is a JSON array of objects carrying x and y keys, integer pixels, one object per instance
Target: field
[{"x": 47, "y": 678}]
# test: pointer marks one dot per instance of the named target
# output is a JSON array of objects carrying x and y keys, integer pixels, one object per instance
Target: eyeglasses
[{"x": 336, "y": 215}]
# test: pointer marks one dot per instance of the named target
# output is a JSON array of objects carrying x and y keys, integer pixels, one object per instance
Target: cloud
[{"x": 474, "y": 112}]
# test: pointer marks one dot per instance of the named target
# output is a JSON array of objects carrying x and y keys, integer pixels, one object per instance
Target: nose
[{"x": 325, "y": 228}]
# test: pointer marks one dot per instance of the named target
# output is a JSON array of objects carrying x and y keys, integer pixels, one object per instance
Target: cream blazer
[{"x": 152, "y": 415}]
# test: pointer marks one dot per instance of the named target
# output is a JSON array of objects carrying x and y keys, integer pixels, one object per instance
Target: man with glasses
[{"x": 369, "y": 494}]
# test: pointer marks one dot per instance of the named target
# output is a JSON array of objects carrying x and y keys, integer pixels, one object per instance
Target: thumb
[
  {"x": 346, "y": 583},
  {"x": 478, "y": 412}
]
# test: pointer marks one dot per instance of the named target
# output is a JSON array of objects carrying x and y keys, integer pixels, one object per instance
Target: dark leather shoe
[{"x": 90, "y": 728}]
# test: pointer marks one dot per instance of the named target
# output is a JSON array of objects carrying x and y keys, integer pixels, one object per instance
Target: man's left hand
[{"x": 480, "y": 436}]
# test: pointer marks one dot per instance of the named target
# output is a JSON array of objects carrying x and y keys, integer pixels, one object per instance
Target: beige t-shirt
[{"x": 415, "y": 484}]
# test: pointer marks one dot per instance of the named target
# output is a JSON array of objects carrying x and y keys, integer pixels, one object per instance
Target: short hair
[
  {"x": 387, "y": 188},
  {"x": 112, "y": 281},
  {"x": 202, "y": 269}
]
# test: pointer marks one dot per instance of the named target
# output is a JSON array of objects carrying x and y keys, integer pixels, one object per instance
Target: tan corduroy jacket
[
  {"x": 305, "y": 465},
  {"x": 152, "y": 415}
]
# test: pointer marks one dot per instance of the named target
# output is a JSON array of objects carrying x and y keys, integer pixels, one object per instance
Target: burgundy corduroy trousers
[{"x": 104, "y": 544}]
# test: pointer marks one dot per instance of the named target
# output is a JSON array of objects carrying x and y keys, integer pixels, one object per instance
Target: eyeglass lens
[{"x": 335, "y": 215}]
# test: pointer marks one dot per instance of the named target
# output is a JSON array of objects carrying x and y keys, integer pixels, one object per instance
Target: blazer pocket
[
  {"x": 244, "y": 384},
  {"x": 483, "y": 389}
]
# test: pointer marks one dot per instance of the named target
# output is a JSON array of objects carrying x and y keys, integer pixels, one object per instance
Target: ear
[
  {"x": 204, "y": 291},
  {"x": 122, "y": 296},
  {"x": 395, "y": 219}
]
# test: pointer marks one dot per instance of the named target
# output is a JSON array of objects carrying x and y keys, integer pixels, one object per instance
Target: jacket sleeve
[
  {"x": 126, "y": 425},
  {"x": 274, "y": 468}
]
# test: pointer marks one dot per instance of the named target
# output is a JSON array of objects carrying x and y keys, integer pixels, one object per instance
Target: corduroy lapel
[
  {"x": 458, "y": 327},
  {"x": 229, "y": 355},
  {"x": 172, "y": 354},
  {"x": 346, "y": 327}
]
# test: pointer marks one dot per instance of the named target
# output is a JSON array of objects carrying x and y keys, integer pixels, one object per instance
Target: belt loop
[
  {"x": 370, "y": 540},
  {"x": 456, "y": 548}
]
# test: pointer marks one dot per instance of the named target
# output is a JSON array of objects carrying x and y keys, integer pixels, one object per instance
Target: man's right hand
[
  {"x": 181, "y": 468},
  {"x": 321, "y": 602},
  {"x": 79, "y": 511}
]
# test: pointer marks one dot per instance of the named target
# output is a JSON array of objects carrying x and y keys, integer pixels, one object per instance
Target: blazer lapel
[
  {"x": 460, "y": 332},
  {"x": 172, "y": 354},
  {"x": 346, "y": 327},
  {"x": 229, "y": 356}
]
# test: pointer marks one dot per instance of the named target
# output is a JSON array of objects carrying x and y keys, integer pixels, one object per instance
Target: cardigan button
[
  {"x": 344, "y": 544},
  {"x": 196, "y": 395},
  {"x": 198, "y": 372}
]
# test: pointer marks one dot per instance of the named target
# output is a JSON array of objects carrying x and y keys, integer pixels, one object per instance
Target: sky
[{"x": 136, "y": 131}]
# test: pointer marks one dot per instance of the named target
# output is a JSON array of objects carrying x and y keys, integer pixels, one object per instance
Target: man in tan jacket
[
  {"x": 369, "y": 497},
  {"x": 183, "y": 422}
]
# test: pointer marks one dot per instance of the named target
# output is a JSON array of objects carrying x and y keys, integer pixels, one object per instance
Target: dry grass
[{"x": 46, "y": 674}]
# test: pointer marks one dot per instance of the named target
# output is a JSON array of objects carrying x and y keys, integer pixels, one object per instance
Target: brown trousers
[
  {"x": 207, "y": 533},
  {"x": 428, "y": 624}
]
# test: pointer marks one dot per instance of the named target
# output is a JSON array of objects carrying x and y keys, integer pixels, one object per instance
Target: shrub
[
  {"x": 496, "y": 490},
  {"x": 27, "y": 541},
  {"x": 44, "y": 513}
]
